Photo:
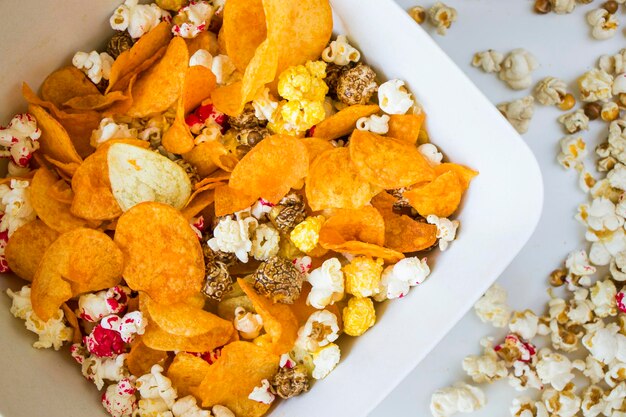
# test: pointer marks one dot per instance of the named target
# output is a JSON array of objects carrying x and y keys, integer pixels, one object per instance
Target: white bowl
[{"x": 498, "y": 216}]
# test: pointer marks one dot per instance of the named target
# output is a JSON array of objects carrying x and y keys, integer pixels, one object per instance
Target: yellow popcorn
[
  {"x": 306, "y": 234},
  {"x": 297, "y": 116},
  {"x": 358, "y": 316},
  {"x": 363, "y": 276},
  {"x": 304, "y": 82}
]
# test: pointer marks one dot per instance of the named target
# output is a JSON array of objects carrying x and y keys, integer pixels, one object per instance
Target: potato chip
[
  {"x": 27, "y": 246},
  {"x": 315, "y": 147},
  {"x": 240, "y": 367},
  {"x": 137, "y": 175},
  {"x": 199, "y": 83},
  {"x": 48, "y": 290},
  {"x": 334, "y": 183},
  {"x": 464, "y": 174},
  {"x": 156, "y": 338},
  {"x": 303, "y": 311},
  {"x": 53, "y": 213},
  {"x": 95, "y": 101},
  {"x": 241, "y": 44},
  {"x": 205, "y": 40},
  {"x": 65, "y": 84},
  {"x": 227, "y": 99},
  {"x": 205, "y": 157},
  {"x": 366, "y": 249},
  {"x": 141, "y": 358},
  {"x": 178, "y": 138},
  {"x": 187, "y": 371},
  {"x": 162, "y": 253},
  {"x": 387, "y": 162},
  {"x": 130, "y": 62},
  {"x": 198, "y": 203},
  {"x": 278, "y": 320},
  {"x": 216, "y": 177},
  {"x": 61, "y": 192},
  {"x": 228, "y": 200},
  {"x": 65, "y": 169},
  {"x": 159, "y": 87},
  {"x": 440, "y": 197},
  {"x": 344, "y": 121},
  {"x": 271, "y": 168},
  {"x": 54, "y": 141},
  {"x": 406, "y": 127},
  {"x": 364, "y": 224},
  {"x": 226, "y": 308},
  {"x": 261, "y": 70}
]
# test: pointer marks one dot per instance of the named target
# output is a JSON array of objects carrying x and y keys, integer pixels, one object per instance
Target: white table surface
[{"x": 564, "y": 49}]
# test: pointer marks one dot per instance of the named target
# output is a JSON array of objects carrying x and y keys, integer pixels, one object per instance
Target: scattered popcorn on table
[
  {"x": 358, "y": 316},
  {"x": 602, "y": 295},
  {"x": 517, "y": 68},
  {"x": 417, "y": 13},
  {"x": 394, "y": 98},
  {"x": 575, "y": 121},
  {"x": 524, "y": 323},
  {"x": 595, "y": 85},
  {"x": 563, "y": 6},
  {"x": 442, "y": 17},
  {"x": 446, "y": 230},
  {"x": 525, "y": 407},
  {"x": 573, "y": 150},
  {"x": 340, "y": 52},
  {"x": 554, "y": 369},
  {"x": 492, "y": 307},
  {"x": 485, "y": 368},
  {"x": 518, "y": 112},
  {"x": 488, "y": 61},
  {"x": 561, "y": 403},
  {"x": 603, "y": 24},
  {"x": 137, "y": 19},
  {"x": 328, "y": 284},
  {"x": 375, "y": 124},
  {"x": 613, "y": 64},
  {"x": 16, "y": 209},
  {"x": 96, "y": 65},
  {"x": 459, "y": 398},
  {"x": 550, "y": 91}
]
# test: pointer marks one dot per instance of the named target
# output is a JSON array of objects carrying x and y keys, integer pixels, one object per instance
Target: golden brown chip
[
  {"x": 241, "y": 44},
  {"x": 229, "y": 200},
  {"x": 199, "y": 83},
  {"x": 27, "y": 246},
  {"x": 95, "y": 101},
  {"x": 141, "y": 358},
  {"x": 158, "y": 339},
  {"x": 198, "y": 203},
  {"x": 364, "y": 224},
  {"x": 406, "y": 127},
  {"x": 344, "y": 121},
  {"x": 54, "y": 140},
  {"x": 48, "y": 290},
  {"x": 316, "y": 147},
  {"x": 65, "y": 84},
  {"x": 440, "y": 197},
  {"x": 178, "y": 138},
  {"x": 205, "y": 40},
  {"x": 464, "y": 174},
  {"x": 187, "y": 371}
]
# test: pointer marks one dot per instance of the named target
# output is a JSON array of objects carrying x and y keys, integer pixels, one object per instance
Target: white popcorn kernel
[
  {"x": 550, "y": 91},
  {"x": 594, "y": 369},
  {"x": 615, "y": 374},
  {"x": 614, "y": 401},
  {"x": 16, "y": 208},
  {"x": 599, "y": 217},
  {"x": 98, "y": 369},
  {"x": 201, "y": 57},
  {"x": 525, "y": 407},
  {"x": 265, "y": 242},
  {"x": 156, "y": 386},
  {"x": 108, "y": 130},
  {"x": 554, "y": 369},
  {"x": 523, "y": 377},
  {"x": 119, "y": 399},
  {"x": 187, "y": 407},
  {"x": 93, "y": 307},
  {"x": 96, "y": 65},
  {"x": 446, "y": 230},
  {"x": 488, "y": 61},
  {"x": 577, "y": 263},
  {"x": 603, "y": 24},
  {"x": 224, "y": 70},
  {"x": 397, "y": 279},
  {"x": 585, "y": 179},
  {"x": 193, "y": 19},
  {"x": 233, "y": 236},
  {"x": 264, "y": 106},
  {"x": 519, "y": 112},
  {"x": 575, "y": 121},
  {"x": 618, "y": 267},
  {"x": 564, "y": 337},
  {"x": 592, "y": 401},
  {"x": 18, "y": 142},
  {"x": 221, "y": 411},
  {"x": 249, "y": 325},
  {"x": 617, "y": 177},
  {"x": 431, "y": 153},
  {"x": 492, "y": 307},
  {"x": 595, "y": 85},
  {"x": 561, "y": 403},
  {"x": 459, "y": 398},
  {"x": 605, "y": 343},
  {"x": 320, "y": 329},
  {"x": 442, "y": 16},
  {"x": 603, "y": 298},
  {"x": 517, "y": 68},
  {"x": 394, "y": 98},
  {"x": 613, "y": 64},
  {"x": 340, "y": 52},
  {"x": 580, "y": 309},
  {"x": 327, "y": 283},
  {"x": 375, "y": 124},
  {"x": 573, "y": 150},
  {"x": 563, "y": 6},
  {"x": 137, "y": 19},
  {"x": 524, "y": 323},
  {"x": 604, "y": 247},
  {"x": 325, "y": 359},
  {"x": 263, "y": 393},
  {"x": 487, "y": 367}
]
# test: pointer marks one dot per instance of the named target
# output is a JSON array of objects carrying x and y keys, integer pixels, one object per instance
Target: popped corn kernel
[
  {"x": 554, "y": 369},
  {"x": 524, "y": 323},
  {"x": 297, "y": 116},
  {"x": 327, "y": 284},
  {"x": 563, "y": 6},
  {"x": 573, "y": 150},
  {"x": 324, "y": 360},
  {"x": 394, "y": 98},
  {"x": 603, "y": 24},
  {"x": 488, "y": 61},
  {"x": 374, "y": 123},
  {"x": 595, "y": 85},
  {"x": 575, "y": 121},
  {"x": 518, "y": 112},
  {"x": 459, "y": 398},
  {"x": 305, "y": 235},
  {"x": 550, "y": 91},
  {"x": 303, "y": 82},
  {"x": 362, "y": 276},
  {"x": 442, "y": 17},
  {"x": 485, "y": 368},
  {"x": 517, "y": 68},
  {"x": 525, "y": 407},
  {"x": 613, "y": 64},
  {"x": 340, "y": 52},
  {"x": 492, "y": 307},
  {"x": 561, "y": 403},
  {"x": 358, "y": 316}
]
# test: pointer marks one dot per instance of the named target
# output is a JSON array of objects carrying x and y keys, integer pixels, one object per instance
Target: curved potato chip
[
  {"x": 464, "y": 174},
  {"x": 65, "y": 169},
  {"x": 261, "y": 70},
  {"x": 158, "y": 339},
  {"x": 271, "y": 168},
  {"x": 48, "y": 290},
  {"x": 405, "y": 127},
  {"x": 344, "y": 121},
  {"x": 334, "y": 183},
  {"x": 27, "y": 246},
  {"x": 199, "y": 83},
  {"x": 226, "y": 308},
  {"x": 61, "y": 192},
  {"x": 278, "y": 320},
  {"x": 205, "y": 40},
  {"x": 216, "y": 177},
  {"x": 241, "y": 44},
  {"x": 93, "y": 198},
  {"x": 183, "y": 319},
  {"x": 53, "y": 213},
  {"x": 178, "y": 139},
  {"x": 95, "y": 101},
  {"x": 228, "y": 200},
  {"x": 186, "y": 371},
  {"x": 198, "y": 203},
  {"x": 141, "y": 358},
  {"x": 241, "y": 367},
  {"x": 54, "y": 140},
  {"x": 440, "y": 197},
  {"x": 364, "y": 224},
  {"x": 315, "y": 147},
  {"x": 65, "y": 84},
  {"x": 159, "y": 87},
  {"x": 387, "y": 162},
  {"x": 205, "y": 157},
  {"x": 137, "y": 175},
  {"x": 366, "y": 249},
  {"x": 70, "y": 316},
  {"x": 169, "y": 268},
  {"x": 227, "y": 99}
]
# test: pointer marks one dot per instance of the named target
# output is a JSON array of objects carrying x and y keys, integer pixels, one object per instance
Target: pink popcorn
[
  {"x": 621, "y": 301},
  {"x": 198, "y": 119},
  {"x": 128, "y": 326},
  {"x": 192, "y": 19},
  {"x": 4, "y": 239},
  {"x": 103, "y": 342},
  {"x": 514, "y": 348},
  {"x": 210, "y": 356},
  {"x": 93, "y": 307},
  {"x": 198, "y": 226},
  {"x": 119, "y": 399},
  {"x": 303, "y": 263},
  {"x": 20, "y": 138}
]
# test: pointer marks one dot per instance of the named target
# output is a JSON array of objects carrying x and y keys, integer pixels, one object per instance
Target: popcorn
[
  {"x": 264, "y": 106},
  {"x": 320, "y": 329},
  {"x": 358, "y": 316},
  {"x": 192, "y": 19},
  {"x": 15, "y": 206},
  {"x": 303, "y": 263},
  {"x": 617, "y": 177},
  {"x": 97, "y": 369},
  {"x": 610, "y": 111},
  {"x": 327, "y": 284},
  {"x": 431, "y": 153},
  {"x": 613, "y": 64},
  {"x": 561, "y": 403},
  {"x": 187, "y": 407},
  {"x": 517, "y": 68},
  {"x": 518, "y": 112},
  {"x": 442, "y": 17},
  {"x": 362, "y": 276},
  {"x": 325, "y": 359},
  {"x": 599, "y": 217},
  {"x": 577, "y": 262},
  {"x": 119, "y": 399},
  {"x": 221, "y": 411},
  {"x": 615, "y": 374},
  {"x": 103, "y": 342},
  {"x": 340, "y": 52},
  {"x": 491, "y": 307},
  {"x": 525, "y": 407},
  {"x": 21, "y": 139},
  {"x": 603, "y": 24},
  {"x": 131, "y": 324},
  {"x": 201, "y": 57},
  {"x": 524, "y": 323},
  {"x": 580, "y": 309},
  {"x": 573, "y": 150},
  {"x": 603, "y": 295},
  {"x": 563, "y": 6},
  {"x": 523, "y": 377},
  {"x": 137, "y": 19},
  {"x": 93, "y": 307},
  {"x": 514, "y": 349},
  {"x": 108, "y": 130},
  {"x": 614, "y": 401},
  {"x": 605, "y": 343},
  {"x": 233, "y": 236},
  {"x": 593, "y": 369},
  {"x": 224, "y": 70},
  {"x": 96, "y": 65},
  {"x": 303, "y": 82},
  {"x": 446, "y": 229},
  {"x": 375, "y": 124},
  {"x": 394, "y": 98},
  {"x": 550, "y": 91},
  {"x": 262, "y": 393},
  {"x": 265, "y": 242},
  {"x": 156, "y": 386},
  {"x": 575, "y": 121},
  {"x": 249, "y": 325},
  {"x": 554, "y": 369},
  {"x": 459, "y": 398},
  {"x": 487, "y": 367},
  {"x": 305, "y": 235},
  {"x": 620, "y": 300},
  {"x": 617, "y": 140},
  {"x": 604, "y": 247},
  {"x": 488, "y": 61},
  {"x": 595, "y": 85},
  {"x": 397, "y": 279}
]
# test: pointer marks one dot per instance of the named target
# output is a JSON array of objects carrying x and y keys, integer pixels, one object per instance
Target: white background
[{"x": 564, "y": 48}]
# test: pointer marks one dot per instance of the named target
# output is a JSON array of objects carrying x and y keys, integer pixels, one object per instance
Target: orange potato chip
[
  {"x": 465, "y": 174},
  {"x": 54, "y": 140},
  {"x": 271, "y": 168},
  {"x": 27, "y": 246},
  {"x": 162, "y": 253},
  {"x": 440, "y": 197},
  {"x": 303, "y": 311},
  {"x": 207, "y": 157},
  {"x": 187, "y": 371},
  {"x": 65, "y": 169},
  {"x": 95, "y": 101},
  {"x": 279, "y": 321},
  {"x": 61, "y": 192},
  {"x": 406, "y": 127},
  {"x": 49, "y": 290},
  {"x": 141, "y": 358},
  {"x": 158, "y": 339},
  {"x": 199, "y": 83},
  {"x": 178, "y": 138},
  {"x": 366, "y": 249},
  {"x": 387, "y": 162},
  {"x": 205, "y": 40},
  {"x": 65, "y": 84},
  {"x": 228, "y": 200},
  {"x": 53, "y": 213},
  {"x": 243, "y": 30},
  {"x": 240, "y": 367},
  {"x": 344, "y": 121},
  {"x": 198, "y": 203},
  {"x": 315, "y": 147},
  {"x": 227, "y": 98},
  {"x": 217, "y": 176},
  {"x": 159, "y": 87},
  {"x": 261, "y": 70},
  {"x": 70, "y": 316},
  {"x": 130, "y": 62},
  {"x": 334, "y": 183},
  {"x": 365, "y": 224}
]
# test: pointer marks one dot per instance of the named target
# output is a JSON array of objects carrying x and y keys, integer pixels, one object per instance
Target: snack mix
[{"x": 204, "y": 207}]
